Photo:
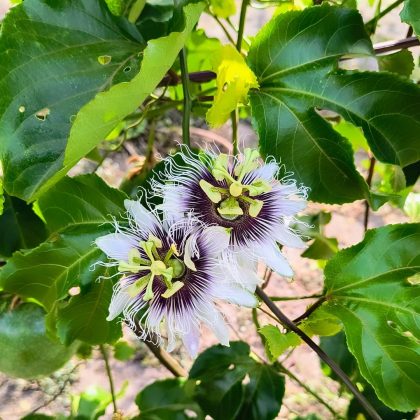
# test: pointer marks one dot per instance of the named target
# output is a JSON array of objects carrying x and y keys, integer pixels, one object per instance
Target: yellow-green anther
[
  {"x": 220, "y": 166},
  {"x": 230, "y": 207},
  {"x": 259, "y": 186},
  {"x": 155, "y": 240},
  {"x": 148, "y": 249},
  {"x": 235, "y": 189},
  {"x": 249, "y": 163},
  {"x": 138, "y": 286},
  {"x": 132, "y": 268},
  {"x": 255, "y": 208},
  {"x": 149, "y": 289},
  {"x": 210, "y": 191},
  {"x": 158, "y": 267},
  {"x": 173, "y": 289}
]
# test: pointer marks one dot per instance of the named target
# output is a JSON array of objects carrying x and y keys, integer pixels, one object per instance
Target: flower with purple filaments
[
  {"x": 241, "y": 194},
  {"x": 171, "y": 276}
]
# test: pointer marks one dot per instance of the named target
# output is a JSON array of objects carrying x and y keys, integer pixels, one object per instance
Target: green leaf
[
  {"x": 20, "y": 227},
  {"x": 277, "y": 342},
  {"x": 322, "y": 248},
  {"x": 117, "y": 7},
  {"x": 1, "y": 197},
  {"x": 84, "y": 317},
  {"x": 411, "y": 14},
  {"x": 168, "y": 400},
  {"x": 75, "y": 211},
  {"x": 367, "y": 289},
  {"x": 223, "y": 8},
  {"x": 401, "y": 63},
  {"x": 123, "y": 351},
  {"x": 72, "y": 50},
  {"x": 221, "y": 392},
  {"x": 48, "y": 272},
  {"x": 81, "y": 201},
  {"x": 295, "y": 82},
  {"x": 100, "y": 116}
]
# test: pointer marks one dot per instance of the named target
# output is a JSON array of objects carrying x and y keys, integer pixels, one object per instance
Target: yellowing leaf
[
  {"x": 223, "y": 8},
  {"x": 234, "y": 79}
]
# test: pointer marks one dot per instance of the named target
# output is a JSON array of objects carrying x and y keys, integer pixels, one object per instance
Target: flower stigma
[
  {"x": 232, "y": 200},
  {"x": 167, "y": 269}
]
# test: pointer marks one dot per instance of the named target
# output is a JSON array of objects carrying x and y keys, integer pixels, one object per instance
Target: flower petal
[
  {"x": 271, "y": 255},
  {"x": 234, "y": 293},
  {"x": 214, "y": 320},
  {"x": 215, "y": 239},
  {"x": 287, "y": 237},
  {"x": 116, "y": 245},
  {"x": 191, "y": 340},
  {"x": 120, "y": 301},
  {"x": 143, "y": 218}
]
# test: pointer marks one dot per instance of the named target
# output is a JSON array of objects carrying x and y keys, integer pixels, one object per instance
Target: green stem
[
  {"x": 234, "y": 118},
  {"x": 223, "y": 27},
  {"x": 109, "y": 374},
  {"x": 187, "y": 98},
  {"x": 308, "y": 390},
  {"x": 150, "y": 140},
  {"x": 241, "y": 26},
  {"x": 290, "y": 325},
  {"x": 372, "y": 23}
]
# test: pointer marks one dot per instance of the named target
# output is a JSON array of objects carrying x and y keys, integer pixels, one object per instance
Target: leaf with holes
[
  {"x": 72, "y": 49},
  {"x": 295, "y": 83},
  {"x": 84, "y": 316},
  {"x": 367, "y": 289}
]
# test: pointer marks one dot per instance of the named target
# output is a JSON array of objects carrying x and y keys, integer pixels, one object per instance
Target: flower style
[
  {"x": 171, "y": 276},
  {"x": 241, "y": 194}
]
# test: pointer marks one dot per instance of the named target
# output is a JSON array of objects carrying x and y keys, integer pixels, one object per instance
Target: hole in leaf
[
  {"x": 392, "y": 324},
  {"x": 104, "y": 59},
  {"x": 127, "y": 69},
  {"x": 190, "y": 414},
  {"x": 22, "y": 109},
  {"x": 74, "y": 291},
  {"x": 246, "y": 380},
  {"x": 231, "y": 366},
  {"x": 43, "y": 114},
  {"x": 225, "y": 86}
]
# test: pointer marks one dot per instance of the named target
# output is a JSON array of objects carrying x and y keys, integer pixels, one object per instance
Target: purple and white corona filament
[
  {"x": 171, "y": 276},
  {"x": 241, "y": 194}
]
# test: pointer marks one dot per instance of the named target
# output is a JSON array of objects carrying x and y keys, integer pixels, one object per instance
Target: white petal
[
  {"x": 120, "y": 300},
  {"x": 267, "y": 172},
  {"x": 191, "y": 340},
  {"x": 271, "y": 255},
  {"x": 116, "y": 245},
  {"x": 217, "y": 324},
  {"x": 235, "y": 294},
  {"x": 215, "y": 239},
  {"x": 171, "y": 340},
  {"x": 287, "y": 237},
  {"x": 144, "y": 218}
]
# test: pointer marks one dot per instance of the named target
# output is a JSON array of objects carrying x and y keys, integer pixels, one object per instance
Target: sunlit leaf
[
  {"x": 234, "y": 79},
  {"x": 223, "y": 8},
  {"x": 401, "y": 63}
]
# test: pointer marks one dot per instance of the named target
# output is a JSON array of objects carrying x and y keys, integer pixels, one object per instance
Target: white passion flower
[
  {"x": 171, "y": 276},
  {"x": 239, "y": 193}
]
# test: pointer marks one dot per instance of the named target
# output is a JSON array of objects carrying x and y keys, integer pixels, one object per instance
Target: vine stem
[
  {"x": 109, "y": 374},
  {"x": 384, "y": 12},
  {"x": 167, "y": 360},
  {"x": 241, "y": 26},
  {"x": 290, "y": 325},
  {"x": 308, "y": 390},
  {"x": 187, "y": 98},
  {"x": 234, "y": 119},
  {"x": 369, "y": 182}
]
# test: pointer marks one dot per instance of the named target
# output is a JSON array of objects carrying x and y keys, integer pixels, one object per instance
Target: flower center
[
  {"x": 168, "y": 269},
  {"x": 229, "y": 199}
]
